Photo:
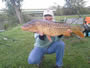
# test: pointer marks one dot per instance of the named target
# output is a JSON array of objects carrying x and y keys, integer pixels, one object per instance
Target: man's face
[{"x": 49, "y": 18}]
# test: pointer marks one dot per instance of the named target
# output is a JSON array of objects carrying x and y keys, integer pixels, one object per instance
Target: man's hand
[{"x": 68, "y": 32}]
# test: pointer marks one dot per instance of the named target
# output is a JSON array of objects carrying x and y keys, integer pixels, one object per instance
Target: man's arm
[{"x": 60, "y": 36}]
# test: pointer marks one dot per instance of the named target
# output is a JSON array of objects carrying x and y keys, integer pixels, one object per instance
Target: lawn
[{"x": 15, "y": 46}]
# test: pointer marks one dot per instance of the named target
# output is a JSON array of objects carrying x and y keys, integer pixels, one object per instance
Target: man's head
[{"x": 48, "y": 15}]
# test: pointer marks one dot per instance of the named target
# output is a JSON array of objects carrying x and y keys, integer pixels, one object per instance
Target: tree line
[
  {"x": 72, "y": 7},
  {"x": 69, "y": 11},
  {"x": 15, "y": 15}
]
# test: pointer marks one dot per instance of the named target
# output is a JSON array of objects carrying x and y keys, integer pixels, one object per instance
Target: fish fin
[
  {"x": 67, "y": 34},
  {"x": 79, "y": 33},
  {"x": 49, "y": 38},
  {"x": 40, "y": 33}
]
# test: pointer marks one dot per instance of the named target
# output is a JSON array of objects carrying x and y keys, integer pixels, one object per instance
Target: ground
[{"x": 15, "y": 46}]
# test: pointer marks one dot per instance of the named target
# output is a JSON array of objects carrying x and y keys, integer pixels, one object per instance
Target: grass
[
  {"x": 59, "y": 18},
  {"x": 15, "y": 46},
  {"x": 64, "y": 17}
]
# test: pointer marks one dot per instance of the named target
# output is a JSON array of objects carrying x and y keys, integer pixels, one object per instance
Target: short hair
[{"x": 47, "y": 15}]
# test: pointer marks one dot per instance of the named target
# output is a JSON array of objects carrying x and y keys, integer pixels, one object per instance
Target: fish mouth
[{"x": 24, "y": 28}]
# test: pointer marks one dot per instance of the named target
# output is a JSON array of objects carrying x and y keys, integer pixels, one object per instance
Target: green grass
[
  {"x": 62, "y": 18},
  {"x": 15, "y": 46},
  {"x": 15, "y": 49},
  {"x": 58, "y": 18}
]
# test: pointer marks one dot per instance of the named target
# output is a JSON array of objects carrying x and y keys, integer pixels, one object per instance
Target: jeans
[{"x": 37, "y": 53}]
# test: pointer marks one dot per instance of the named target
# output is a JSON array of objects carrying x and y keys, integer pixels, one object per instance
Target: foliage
[
  {"x": 13, "y": 8},
  {"x": 9, "y": 5},
  {"x": 7, "y": 21},
  {"x": 77, "y": 6},
  {"x": 75, "y": 3},
  {"x": 71, "y": 7},
  {"x": 58, "y": 11}
]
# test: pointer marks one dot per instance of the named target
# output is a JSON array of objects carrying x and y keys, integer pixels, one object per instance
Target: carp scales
[{"x": 50, "y": 28}]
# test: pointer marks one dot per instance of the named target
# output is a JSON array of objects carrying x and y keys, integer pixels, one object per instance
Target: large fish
[{"x": 50, "y": 28}]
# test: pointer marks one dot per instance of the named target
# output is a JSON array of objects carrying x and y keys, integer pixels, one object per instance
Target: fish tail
[{"x": 78, "y": 31}]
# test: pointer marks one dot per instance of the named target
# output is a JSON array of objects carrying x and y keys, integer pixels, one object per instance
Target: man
[
  {"x": 87, "y": 29},
  {"x": 43, "y": 46}
]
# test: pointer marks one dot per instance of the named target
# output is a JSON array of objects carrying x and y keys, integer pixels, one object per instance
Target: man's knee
[
  {"x": 61, "y": 44},
  {"x": 33, "y": 61}
]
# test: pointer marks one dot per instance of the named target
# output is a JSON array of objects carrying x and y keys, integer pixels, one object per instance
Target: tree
[
  {"x": 10, "y": 10},
  {"x": 76, "y": 5},
  {"x": 14, "y": 7},
  {"x": 58, "y": 10}
]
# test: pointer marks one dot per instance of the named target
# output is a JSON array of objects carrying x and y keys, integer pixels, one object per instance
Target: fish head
[{"x": 30, "y": 26}]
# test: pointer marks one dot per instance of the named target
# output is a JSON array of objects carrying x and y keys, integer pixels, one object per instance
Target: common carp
[{"x": 50, "y": 28}]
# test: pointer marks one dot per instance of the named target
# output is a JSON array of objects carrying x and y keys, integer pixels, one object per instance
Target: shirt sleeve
[
  {"x": 57, "y": 38},
  {"x": 36, "y": 35}
]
